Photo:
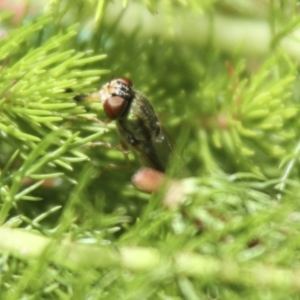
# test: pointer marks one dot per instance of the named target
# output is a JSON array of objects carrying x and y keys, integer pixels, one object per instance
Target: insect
[{"x": 137, "y": 122}]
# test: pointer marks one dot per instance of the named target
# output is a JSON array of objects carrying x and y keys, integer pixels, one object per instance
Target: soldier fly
[{"x": 137, "y": 122}]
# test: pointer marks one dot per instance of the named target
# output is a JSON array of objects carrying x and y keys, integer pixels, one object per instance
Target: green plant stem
[
  {"x": 227, "y": 33},
  {"x": 75, "y": 256},
  {"x": 288, "y": 169}
]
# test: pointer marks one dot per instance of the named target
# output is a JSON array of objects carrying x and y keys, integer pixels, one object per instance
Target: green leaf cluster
[{"x": 223, "y": 78}]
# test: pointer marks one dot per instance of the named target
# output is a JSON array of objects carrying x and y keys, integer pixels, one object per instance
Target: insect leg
[{"x": 121, "y": 148}]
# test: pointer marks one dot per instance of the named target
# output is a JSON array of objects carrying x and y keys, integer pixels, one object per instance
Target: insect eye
[
  {"x": 125, "y": 80},
  {"x": 114, "y": 107}
]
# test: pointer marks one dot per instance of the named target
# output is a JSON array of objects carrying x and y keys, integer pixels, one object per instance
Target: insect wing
[
  {"x": 162, "y": 148},
  {"x": 153, "y": 153},
  {"x": 142, "y": 132}
]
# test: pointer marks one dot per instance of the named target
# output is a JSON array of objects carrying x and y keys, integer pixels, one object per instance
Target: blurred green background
[{"x": 223, "y": 78}]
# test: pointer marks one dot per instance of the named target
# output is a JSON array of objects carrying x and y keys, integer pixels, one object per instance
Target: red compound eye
[
  {"x": 124, "y": 80},
  {"x": 114, "y": 107}
]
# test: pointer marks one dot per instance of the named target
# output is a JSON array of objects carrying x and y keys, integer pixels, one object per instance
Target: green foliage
[{"x": 73, "y": 226}]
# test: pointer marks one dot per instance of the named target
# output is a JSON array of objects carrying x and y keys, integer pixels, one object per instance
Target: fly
[{"x": 137, "y": 122}]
